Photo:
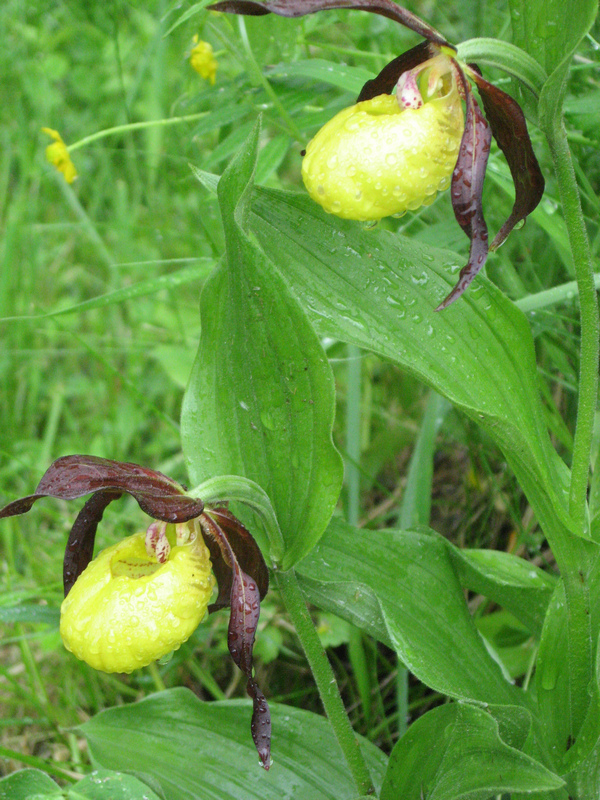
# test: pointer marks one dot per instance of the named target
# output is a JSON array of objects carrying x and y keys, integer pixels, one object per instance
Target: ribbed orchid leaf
[
  {"x": 467, "y": 189},
  {"x": 509, "y": 128},
  {"x": 200, "y": 751},
  {"x": 388, "y": 77},
  {"x": 299, "y": 8}
]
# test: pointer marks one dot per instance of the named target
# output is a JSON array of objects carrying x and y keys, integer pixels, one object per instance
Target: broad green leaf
[
  {"x": 379, "y": 291},
  {"x": 455, "y": 751},
  {"x": 582, "y": 762},
  {"x": 29, "y": 784},
  {"x": 421, "y": 605},
  {"x": 550, "y": 31},
  {"x": 104, "y": 784},
  {"x": 511, "y": 642},
  {"x": 203, "y": 751},
  {"x": 260, "y": 401},
  {"x": 515, "y": 584}
]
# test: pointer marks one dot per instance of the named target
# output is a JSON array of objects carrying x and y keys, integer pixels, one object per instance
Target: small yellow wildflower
[
  {"x": 57, "y": 154},
  {"x": 203, "y": 60}
]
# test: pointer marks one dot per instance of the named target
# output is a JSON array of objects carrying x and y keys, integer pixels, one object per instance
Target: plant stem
[
  {"x": 134, "y": 126},
  {"x": 325, "y": 680},
  {"x": 564, "y": 293},
  {"x": 41, "y": 764},
  {"x": 590, "y": 323}
]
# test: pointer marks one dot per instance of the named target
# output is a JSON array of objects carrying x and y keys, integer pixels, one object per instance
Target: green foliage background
[{"x": 99, "y": 324}]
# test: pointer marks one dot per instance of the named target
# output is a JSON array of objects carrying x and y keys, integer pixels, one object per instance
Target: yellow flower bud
[
  {"x": 57, "y": 154},
  {"x": 203, "y": 60},
  {"x": 126, "y": 609},
  {"x": 377, "y": 158}
]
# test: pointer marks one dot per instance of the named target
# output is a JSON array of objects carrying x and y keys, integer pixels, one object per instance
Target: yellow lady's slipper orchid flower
[
  {"x": 127, "y": 608},
  {"x": 377, "y": 165},
  {"x": 203, "y": 60},
  {"x": 57, "y": 154},
  {"x": 389, "y": 154}
]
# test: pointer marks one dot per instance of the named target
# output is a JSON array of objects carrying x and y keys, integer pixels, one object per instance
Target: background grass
[{"x": 99, "y": 286}]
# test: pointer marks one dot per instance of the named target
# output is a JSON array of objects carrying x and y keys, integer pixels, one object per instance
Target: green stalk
[
  {"x": 134, "y": 126},
  {"x": 325, "y": 680},
  {"x": 41, "y": 764},
  {"x": 590, "y": 322}
]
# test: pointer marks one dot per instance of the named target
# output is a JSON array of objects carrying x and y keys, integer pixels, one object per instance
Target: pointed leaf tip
[{"x": 244, "y": 600}]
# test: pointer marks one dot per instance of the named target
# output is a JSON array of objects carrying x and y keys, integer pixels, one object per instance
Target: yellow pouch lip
[
  {"x": 375, "y": 159},
  {"x": 118, "y": 623}
]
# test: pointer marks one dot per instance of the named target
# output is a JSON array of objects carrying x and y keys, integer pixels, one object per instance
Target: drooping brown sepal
[
  {"x": 70, "y": 477},
  {"x": 299, "y": 8},
  {"x": 244, "y": 599},
  {"x": 509, "y": 128},
  {"x": 467, "y": 189},
  {"x": 246, "y": 551},
  {"x": 388, "y": 77},
  {"x": 80, "y": 544}
]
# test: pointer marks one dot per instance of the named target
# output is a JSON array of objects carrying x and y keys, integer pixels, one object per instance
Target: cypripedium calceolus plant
[
  {"x": 142, "y": 598},
  {"x": 389, "y": 154}
]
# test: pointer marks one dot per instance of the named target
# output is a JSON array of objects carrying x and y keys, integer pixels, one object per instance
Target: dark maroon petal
[
  {"x": 20, "y": 506},
  {"x": 298, "y": 8},
  {"x": 260, "y": 727},
  {"x": 80, "y": 544},
  {"x": 467, "y": 188},
  {"x": 388, "y": 77},
  {"x": 245, "y": 611},
  {"x": 74, "y": 476},
  {"x": 245, "y": 548},
  {"x": 509, "y": 128}
]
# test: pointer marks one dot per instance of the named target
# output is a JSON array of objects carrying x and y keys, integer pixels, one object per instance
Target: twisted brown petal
[
  {"x": 247, "y": 553},
  {"x": 244, "y": 600},
  {"x": 388, "y": 77},
  {"x": 467, "y": 188},
  {"x": 298, "y": 8},
  {"x": 80, "y": 544},
  {"x": 509, "y": 128}
]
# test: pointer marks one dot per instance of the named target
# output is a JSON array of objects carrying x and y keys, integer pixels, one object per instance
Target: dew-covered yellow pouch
[
  {"x": 376, "y": 158},
  {"x": 126, "y": 609}
]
